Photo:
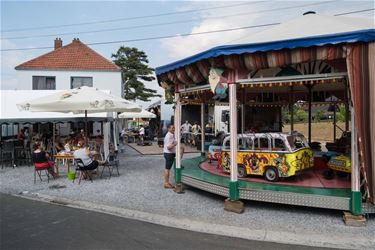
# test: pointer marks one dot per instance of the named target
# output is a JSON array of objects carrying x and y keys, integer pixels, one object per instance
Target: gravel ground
[{"x": 140, "y": 187}]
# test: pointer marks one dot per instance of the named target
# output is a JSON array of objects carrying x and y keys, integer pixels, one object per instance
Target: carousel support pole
[
  {"x": 334, "y": 122},
  {"x": 346, "y": 108},
  {"x": 291, "y": 110},
  {"x": 177, "y": 125},
  {"x": 242, "y": 118},
  {"x": 355, "y": 217},
  {"x": 309, "y": 118},
  {"x": 233, "y": 204},
  {"x": 243, "y": 111},
  {"x": 356, "y": 199},
  {"x": 202, "y": 130}
]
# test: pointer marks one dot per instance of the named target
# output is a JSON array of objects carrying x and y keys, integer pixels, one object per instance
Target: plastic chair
[
  {"x": 111, "y": 162},
  {"x": 80, "y": 168},
  {"x": 39, "y": 167}
]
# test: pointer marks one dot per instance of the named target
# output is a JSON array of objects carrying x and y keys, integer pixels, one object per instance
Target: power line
[
  {"x": 166, "y": 23},
  {"x": 129, "y": 18},
  {"x": 157, "y": 37},
  {"x": 352, "y": 12},
  {"x": 172, "y": 36}
]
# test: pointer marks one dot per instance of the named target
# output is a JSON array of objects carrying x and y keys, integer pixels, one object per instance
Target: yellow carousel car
[{"x": 272, "y": 155}]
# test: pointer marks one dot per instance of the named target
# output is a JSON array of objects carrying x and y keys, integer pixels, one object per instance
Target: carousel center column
[
  {"x": 233, "y": 204},
  {"x": 202, "y": 130},
  {"x": 177, "y": 125}
]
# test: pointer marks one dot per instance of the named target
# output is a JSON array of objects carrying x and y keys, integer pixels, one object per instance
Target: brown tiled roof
[{"x": 74, "y": 56}]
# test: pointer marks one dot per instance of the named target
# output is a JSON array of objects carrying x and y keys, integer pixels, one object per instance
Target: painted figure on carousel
[{"x": 218, "y": 83}]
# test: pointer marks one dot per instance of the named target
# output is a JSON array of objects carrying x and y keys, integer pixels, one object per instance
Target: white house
[{"x": 67, "y": 67}]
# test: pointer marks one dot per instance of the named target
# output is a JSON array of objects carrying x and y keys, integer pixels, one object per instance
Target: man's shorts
[{"x": 169, "y": 159}]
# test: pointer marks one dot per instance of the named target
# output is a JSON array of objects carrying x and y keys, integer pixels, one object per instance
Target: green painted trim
[
  {"x": 356, "y": 203},
  {"x": 174, "y": 170},
  {"x": 191, "y": 169},
  {"x": 234, "y": 191},
  {"x": 178, "y": 175}
]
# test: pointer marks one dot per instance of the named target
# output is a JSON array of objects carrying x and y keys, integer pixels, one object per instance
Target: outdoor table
[{"x": 62, "y": 157}]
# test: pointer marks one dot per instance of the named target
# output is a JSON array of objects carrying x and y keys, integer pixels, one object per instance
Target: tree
[
  {"x": 301, "y": 115},
  {"x": 134, "y": 70},
  {"x": 341, "y": 114},
  {"x": 319, "y": 115}
]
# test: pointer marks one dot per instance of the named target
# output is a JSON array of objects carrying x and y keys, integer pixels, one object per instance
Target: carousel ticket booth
[{"x": 328, "y": 63}]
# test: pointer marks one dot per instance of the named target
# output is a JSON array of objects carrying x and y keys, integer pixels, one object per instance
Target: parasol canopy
[
  {"x": 142, "y": 114},
  {"x": 79, "y": 100}
]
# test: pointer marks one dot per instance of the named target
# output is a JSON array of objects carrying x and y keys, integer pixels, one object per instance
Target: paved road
[{"x": 27, "y": 224}]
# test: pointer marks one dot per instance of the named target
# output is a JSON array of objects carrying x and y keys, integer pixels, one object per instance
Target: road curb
[{"x": 342, "y": 241}]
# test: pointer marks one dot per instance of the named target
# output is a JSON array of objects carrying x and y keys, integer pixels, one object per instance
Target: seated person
[
  {"x": 98, "y": 143},
  {"x": 84, "y": 154},
  {"x": 77, "y": 139},
  {"x": 67, "y": 146},
  {"x": 41, "y": 158}
]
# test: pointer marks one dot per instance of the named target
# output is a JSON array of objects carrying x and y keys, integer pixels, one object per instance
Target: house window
[
  {"x": 79, "y": 81},
  {"x": 44, "y": 82}
]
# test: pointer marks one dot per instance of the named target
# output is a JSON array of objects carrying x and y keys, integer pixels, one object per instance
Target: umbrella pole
[
  {"x": 53, "y": 138},
  {"x": 86, "y": 131}
]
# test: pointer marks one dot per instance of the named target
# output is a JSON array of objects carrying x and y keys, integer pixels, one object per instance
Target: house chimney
[
  {"x": 58, "y": 43},
  {"x": 75, "y": 40}
]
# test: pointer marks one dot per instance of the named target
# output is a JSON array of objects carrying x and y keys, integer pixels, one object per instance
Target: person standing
[
  {"x": 185, "y": 129},
  {"x": 169, "y": 154},
  {"x": 195, "y": 131},
  {"x": 142, "y": 134}
]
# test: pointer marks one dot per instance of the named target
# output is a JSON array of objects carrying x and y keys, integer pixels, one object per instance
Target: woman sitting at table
[
  {"x": 59, "y": 146},
  {"x": 67, "y": 146},
  {"x": 41, "y": 158},
  {"x": 85, "y": 155}
]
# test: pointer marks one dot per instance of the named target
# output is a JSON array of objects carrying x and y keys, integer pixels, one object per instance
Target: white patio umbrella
[
  {"x": 142, "y": 114},
  {"x": 79, "y": 100}
]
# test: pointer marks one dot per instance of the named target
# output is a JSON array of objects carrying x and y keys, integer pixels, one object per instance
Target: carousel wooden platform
[{"x": 196, "y": 173}]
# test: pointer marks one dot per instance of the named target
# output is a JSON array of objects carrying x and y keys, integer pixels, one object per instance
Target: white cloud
[
  {"x": 181, "y": 47},
  {"x": 9, "y": 60}
]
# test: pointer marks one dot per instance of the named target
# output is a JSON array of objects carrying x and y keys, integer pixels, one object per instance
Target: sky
[{"x": 184, "y": 17}]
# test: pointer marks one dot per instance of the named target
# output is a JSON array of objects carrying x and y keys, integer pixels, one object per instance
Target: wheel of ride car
[
  {"x": 241, "y": 171},
  {"x": 342, "y": 174},
  {"x": 271, "y": 174}
]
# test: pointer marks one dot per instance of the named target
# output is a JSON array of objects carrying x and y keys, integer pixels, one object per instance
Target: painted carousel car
[{"x": 272, "y": 155}]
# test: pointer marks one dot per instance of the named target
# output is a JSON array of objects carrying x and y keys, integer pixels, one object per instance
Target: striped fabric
[
  {"x": 198, "y": 72},
  {"x": 358, "y": 62},
  {"x": 371, "y": 63}
]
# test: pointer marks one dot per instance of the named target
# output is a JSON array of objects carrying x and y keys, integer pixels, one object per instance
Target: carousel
[{"x": 313, "y": 60}]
